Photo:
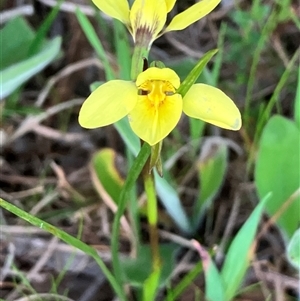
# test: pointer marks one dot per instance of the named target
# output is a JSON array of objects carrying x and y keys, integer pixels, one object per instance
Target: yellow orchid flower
[
  {"x": 147, "y": 18},
  {"x": 153, "y": 106}
]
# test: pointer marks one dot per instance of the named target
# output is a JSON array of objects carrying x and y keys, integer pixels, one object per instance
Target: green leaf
[
  {"x": 217, "y": 66},
  {"x": 14, "y": 50},
  {"x": 214, "y": 290},
  {"x": 92, "y": 37},
  {"x": 104, "y": 163},
  {"x": 169, "y": 198},
  {"x": 212, "y": 168},
  {"x": 123, "y": 49},
  {"x": 239, "y": 253},
  {"x": 297, "y": 102},
  {"x": 150, "y": 286},
  {"x": 293, "y": 250},
  {"x": 95, "y": 85},
  {"x": 197, "y": 127},
  {"x": 131, "y": 179},
  {"x": 277, "y": 170},
  {"x": 182, "y": 66},
  {"x": 129, "y": 137},
  {"x": 14, "y": 76},
  {"x": 282, "y": 83},
  {"x": 137, "y": 271},
  {"x": 196, "y": 71},
  {"x": 41, "y": 34}
]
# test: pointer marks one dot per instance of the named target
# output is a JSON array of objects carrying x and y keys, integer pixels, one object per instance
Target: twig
[
  {"x": 181, "y": 46},
  {"x": 63, "y": 183},
  {"x": 43, "y": 202},
  {"x": 21, "y": 230},
  {"x": 8, "y": 261},
  {"x": 24, "y": 10},
  {"x": 31, "y": 121},
  {"x": 29, "y": 192},
  {"x": 56, "y": 135},
  {"x": 25, "y": 180},
  {"x": 63, "y": 73},
  {"x": 277, "y": 214},
  {"x": 51, "y": 247},
  {"x": 110, "y": 203},
  {"x": 37, "y": 267},
  {"x": 229, "y": 226},
  {"x": 45, "y": 297},
  {"x": 177, "y": 239},
  {"x": 70, "y": 7},
  {"x": 277, "y": 45}
]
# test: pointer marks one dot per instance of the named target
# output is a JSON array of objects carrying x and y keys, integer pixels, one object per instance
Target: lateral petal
[
  {"x": 147, "y": 18},
  {"x": 213, "y": 106},
  {"x": 118, "y": 9},
  {"x": 153, "y": 125},
  {"x": 170, "y": 4},
  {"x": 108, "y": 104},
  {"x": 192, "y": 14}
]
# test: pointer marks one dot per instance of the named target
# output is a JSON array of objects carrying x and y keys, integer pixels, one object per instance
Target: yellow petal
[
  {"x": 170, "y": 4},
  {"x": 153, "y": 125},
  {"x": 108, "y": 104},
  {"x": 147, "y": 18},
  {"x": 154, "y": 73},
  {"x": 212, "y": 105},
  {"x": 192, "y": 14},
  {"x": 118, "y": 9}
]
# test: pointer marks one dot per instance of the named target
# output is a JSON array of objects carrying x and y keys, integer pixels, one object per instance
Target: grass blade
[
  {"x": 240, "y": 251},
  {"x": 68, "y": 239},
  {"x": 95, "y": 42}
]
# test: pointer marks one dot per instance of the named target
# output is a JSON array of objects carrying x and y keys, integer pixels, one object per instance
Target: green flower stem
[
  {"x": 133, "y": 212},
  {"x": 132, "y": 177},
  {"x": 152, "y": 217},
  {"x": 71, "y": 240},
  {"x": 137, "y": 66},
  {"x": 139, "y": 54}
]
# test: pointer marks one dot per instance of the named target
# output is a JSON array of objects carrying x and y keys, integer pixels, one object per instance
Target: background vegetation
[{"x": 236, "y": 193}]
